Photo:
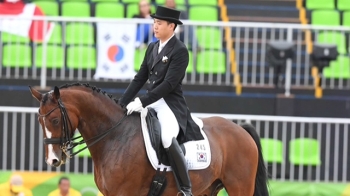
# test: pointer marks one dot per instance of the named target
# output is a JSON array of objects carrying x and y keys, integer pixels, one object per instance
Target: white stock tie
[{"x": 160, "y": 48}]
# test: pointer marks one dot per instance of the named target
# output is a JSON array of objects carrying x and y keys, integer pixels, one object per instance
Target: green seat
[
  {"x": 16, "y": 55},
  {"x": 84, "y": 153},
  {"x": 109, "y": 10},
  {"x": 343, "y": 5},
  {"x": 79, "y": 33},
  {"x": 222, "y": 192},
  {"x": 133, "y": 9},
  {"x": 346, "y": 19},
  {"x": 320, "y": 4},
  {"x": 178, "y": 2},
  {"x": 130, "y": 1},
  {"x": 338, "y": 69},
  {"x": 11, "y": 38},
  {"x": 116, "y": 1},
  {"x": 304, "y": 151},
  {"x": 81, "y": 57},
  {"x": 54, "y": 56},
  {"x": 209, "y": 37},
  {"x": 76, "y": 9},
  {"x": 211, "y": 13},
  {"x": 201, "y": 2},
  {"x": 211, "y": 62},
  {"x": 190, "y": 63},
  {"x": 332, "y": 37},
  {"x": 138, "y": 58},
  {"x": 325, "y": 17},
  {"x": 56, "y": 36},
  {"x": 50, "y": 8},
  {"x": 272, "y": 150}
]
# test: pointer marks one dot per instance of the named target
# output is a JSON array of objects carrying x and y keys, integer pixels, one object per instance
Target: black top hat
[{"x": 167, "y": 14}]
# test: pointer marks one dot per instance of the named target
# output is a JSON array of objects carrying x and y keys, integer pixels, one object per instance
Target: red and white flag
[{"x": 36, "y": 30}]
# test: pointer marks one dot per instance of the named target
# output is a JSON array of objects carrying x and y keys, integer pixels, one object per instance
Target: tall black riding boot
[{"x": 178, "y": 163}]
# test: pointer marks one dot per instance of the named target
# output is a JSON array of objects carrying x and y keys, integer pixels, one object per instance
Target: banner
[
  {"x": 20, "y": 26},
  {"x": 36, "y": 30},
  {"x": 116, "y": 50}
]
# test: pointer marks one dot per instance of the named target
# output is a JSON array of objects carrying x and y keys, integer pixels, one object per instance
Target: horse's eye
[{"x": 55, "y": 121}]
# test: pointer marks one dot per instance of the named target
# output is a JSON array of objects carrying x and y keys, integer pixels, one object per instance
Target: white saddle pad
[{"x": 198, "y": 155}]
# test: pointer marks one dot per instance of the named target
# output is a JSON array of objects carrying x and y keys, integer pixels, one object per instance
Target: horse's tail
[{"x": 261, "y": 188}]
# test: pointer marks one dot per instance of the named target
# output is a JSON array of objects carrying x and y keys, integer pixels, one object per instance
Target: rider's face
[{"x": 162, "y": 29}]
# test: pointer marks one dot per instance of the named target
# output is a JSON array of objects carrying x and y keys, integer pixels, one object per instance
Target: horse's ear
[
  {"x": 36, "y": 94},
  {"x": 56, "y": 93}
]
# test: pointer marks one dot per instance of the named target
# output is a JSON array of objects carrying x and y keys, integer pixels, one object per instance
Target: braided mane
[{"x": 93, "y": 88}]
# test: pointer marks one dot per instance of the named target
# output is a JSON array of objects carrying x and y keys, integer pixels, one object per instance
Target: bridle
[{"x": 66, "y": 142}]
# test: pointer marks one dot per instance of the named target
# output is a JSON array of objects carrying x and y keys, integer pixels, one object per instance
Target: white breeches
[{"x": 168, "y": 122}]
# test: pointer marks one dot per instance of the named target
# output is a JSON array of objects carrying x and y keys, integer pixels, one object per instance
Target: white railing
[
  {"x": 248, "y": 43},
  {"x": 21, "y": 144}
]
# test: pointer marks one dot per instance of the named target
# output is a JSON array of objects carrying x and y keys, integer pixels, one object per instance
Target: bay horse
[{"x": 121, "y": 166}]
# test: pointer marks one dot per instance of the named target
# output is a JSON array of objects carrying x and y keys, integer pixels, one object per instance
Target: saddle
[{"x": 154, "y": 130}]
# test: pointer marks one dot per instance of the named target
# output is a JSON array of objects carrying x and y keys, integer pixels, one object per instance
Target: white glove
[{"x": 134, "y": 106}]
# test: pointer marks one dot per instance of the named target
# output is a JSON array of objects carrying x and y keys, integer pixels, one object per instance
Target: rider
[{"x": 164, "y": 67}]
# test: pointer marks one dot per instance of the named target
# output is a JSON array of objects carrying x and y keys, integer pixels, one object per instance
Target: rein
[
  {"x": 67, "y": 143},
  {"x": 97, "y": 138}
]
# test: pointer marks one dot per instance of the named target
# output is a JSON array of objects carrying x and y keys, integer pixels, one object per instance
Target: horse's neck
[
  {"x": 99, "y": 116},
  {"x": 120, "y": 145}
]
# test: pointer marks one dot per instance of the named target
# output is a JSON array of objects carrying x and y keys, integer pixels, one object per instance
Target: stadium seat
[
  {"x": 190, "y": 63},
  {"x": 201, "y": 2},
  {"x": 211, "y": 62},
  {"x": 79, "y": 33},
  {"x": 320, "y": 4},
  {"x": 346, "y": 19},
  {"x": 304, "y": 151},
  {"x": 209, "y": 37},
  {"x": 211, "y": 13},
  {"x": 222, "y": 192},
  {"x": 138, "y": 58},
  {"x": 339, "y": 69},
  {"x": 76, "y": 9},
  {"x": 178, "y": 2},
  {"x": 133, "y": 9},
  {"x": 343, "y": 5},
  {"x": 50, "y": 8},
  {"x": 81, "y": 57},
  {"x": 56, "y": 36},
  {"x": 325, "y": 17},
  {"x": 333, "y": 37},
  {"x": 54, "y": 56},
  {"x": 109, "y": 10},
  {"x": 17, "y": 55},
  {"x": 130, "y": 1},
  {"x": 84, "y": 153},
  {"x": 11, "y": 38},
  {"x": 272, "y": 150}
]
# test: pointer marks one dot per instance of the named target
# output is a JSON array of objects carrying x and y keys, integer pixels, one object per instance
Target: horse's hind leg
[
  {"x": 240, "y": 187},
  {"x": 240, "y": 179}
]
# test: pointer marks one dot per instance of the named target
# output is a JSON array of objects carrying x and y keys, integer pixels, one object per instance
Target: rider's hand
[{"x": 134, "y": 106}]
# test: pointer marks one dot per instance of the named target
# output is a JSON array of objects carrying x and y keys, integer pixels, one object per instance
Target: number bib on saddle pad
[{"x": 198, "y": 155}]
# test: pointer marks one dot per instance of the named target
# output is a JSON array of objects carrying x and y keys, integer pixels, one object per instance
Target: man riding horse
[{"x": 164, "y": 67}]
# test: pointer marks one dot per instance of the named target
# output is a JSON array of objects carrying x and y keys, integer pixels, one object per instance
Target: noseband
[{"x": 66, "y": 142}]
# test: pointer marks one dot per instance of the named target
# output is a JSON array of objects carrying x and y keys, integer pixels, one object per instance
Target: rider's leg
[{"x": 170, "y": 129}]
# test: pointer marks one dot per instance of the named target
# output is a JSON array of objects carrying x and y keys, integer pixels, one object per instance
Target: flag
[
  {"x": 116, "y": 50},
  {"x": 36, "y": 30}
]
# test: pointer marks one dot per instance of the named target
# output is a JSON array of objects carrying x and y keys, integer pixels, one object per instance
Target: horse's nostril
[{"x": 54, "y": 162}]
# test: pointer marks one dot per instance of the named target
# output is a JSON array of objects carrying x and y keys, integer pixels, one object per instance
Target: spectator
[
  {"x": 186, "y": 37},
  {"x": 15, "y": 187},
  {"x": 144, "y": 34},
  {"x": 64, "y": 189}
]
